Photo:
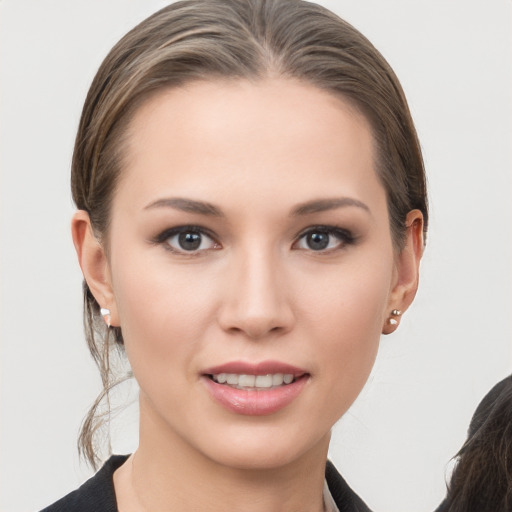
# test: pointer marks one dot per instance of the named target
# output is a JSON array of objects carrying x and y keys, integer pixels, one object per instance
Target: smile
[
  {"x": 255, "y": 389},
  {"x": 244, "y": 381}
]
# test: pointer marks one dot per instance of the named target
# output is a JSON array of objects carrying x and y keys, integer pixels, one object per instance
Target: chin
[{"x": 265, "y": 449}]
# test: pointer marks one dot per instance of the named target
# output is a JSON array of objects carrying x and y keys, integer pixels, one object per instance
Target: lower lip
[{"x": 254, "y": 402}]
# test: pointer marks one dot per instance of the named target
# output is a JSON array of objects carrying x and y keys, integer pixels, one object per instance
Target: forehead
[{"x": 249, "y": 136}]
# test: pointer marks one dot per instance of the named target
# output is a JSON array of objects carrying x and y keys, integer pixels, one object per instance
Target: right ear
[{"x": 94, "y": 263}]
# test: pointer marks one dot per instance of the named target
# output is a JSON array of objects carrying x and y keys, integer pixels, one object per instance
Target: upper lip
[{"x": 261, "y": 368}]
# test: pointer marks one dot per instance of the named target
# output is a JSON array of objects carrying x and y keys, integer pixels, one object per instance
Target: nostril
[
  {"x": 255, "y": 310},
  {"x": 255, "y": 329}
]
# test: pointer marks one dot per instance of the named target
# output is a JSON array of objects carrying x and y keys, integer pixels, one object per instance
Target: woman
[{"x": 251, "y": 216}]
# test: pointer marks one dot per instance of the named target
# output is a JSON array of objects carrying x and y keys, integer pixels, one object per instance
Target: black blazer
[{"x": 97, "y": 494}]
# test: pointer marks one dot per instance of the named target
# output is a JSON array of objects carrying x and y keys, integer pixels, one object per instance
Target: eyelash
[
  {"x": 163, "y": 239},
  {"x": 343, "y": 236}
]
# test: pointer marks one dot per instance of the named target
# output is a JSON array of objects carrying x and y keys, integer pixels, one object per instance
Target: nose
[{"x": 256, "y": 300}]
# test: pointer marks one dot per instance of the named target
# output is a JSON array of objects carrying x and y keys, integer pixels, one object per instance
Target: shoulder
[
  {"x": 97, "y": 494},
  {"x": 345, "y": 498}
]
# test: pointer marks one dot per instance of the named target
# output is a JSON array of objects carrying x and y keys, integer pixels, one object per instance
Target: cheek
[
  {"x": 346, "y": 318},
  {"x": 162, "y": 313},
  {"x": 350, "y": 302}
]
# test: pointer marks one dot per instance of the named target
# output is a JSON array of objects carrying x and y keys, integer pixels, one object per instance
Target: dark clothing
[
  {"x": 97, "y": 494},
  {"x": 344, "y": 497}
]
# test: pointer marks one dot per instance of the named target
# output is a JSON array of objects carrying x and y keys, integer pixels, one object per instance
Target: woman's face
[{"x": 249, "y": 242}]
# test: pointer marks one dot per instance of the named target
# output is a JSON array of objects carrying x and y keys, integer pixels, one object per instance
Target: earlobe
[
  {"x": 94, "y": 263},
  {"x": 407, "y": 272}
]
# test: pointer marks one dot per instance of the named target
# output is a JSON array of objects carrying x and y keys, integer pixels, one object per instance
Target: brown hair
[{"x": 207, "y": 39}]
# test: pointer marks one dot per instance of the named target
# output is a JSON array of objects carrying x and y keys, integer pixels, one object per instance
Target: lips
[{"x": 254, "y": 389}]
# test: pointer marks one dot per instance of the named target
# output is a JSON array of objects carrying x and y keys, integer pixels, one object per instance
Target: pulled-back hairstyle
[{"x": 196, "y": 40}]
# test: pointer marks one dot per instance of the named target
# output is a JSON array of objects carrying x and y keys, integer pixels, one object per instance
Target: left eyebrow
[
  {"x": 322, "y": 205},
  {"x": 186, "y": 205}
]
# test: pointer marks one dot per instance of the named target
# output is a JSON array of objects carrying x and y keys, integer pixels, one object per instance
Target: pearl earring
[
  {"x": 105, "y": 313},
  {"x": 395, "y": 313}
]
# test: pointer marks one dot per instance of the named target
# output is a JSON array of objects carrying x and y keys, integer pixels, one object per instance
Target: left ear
[{"x": 406, "y": 272}]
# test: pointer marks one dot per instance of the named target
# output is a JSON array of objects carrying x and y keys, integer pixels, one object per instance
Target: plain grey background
[{"x": 454, "y": 59}]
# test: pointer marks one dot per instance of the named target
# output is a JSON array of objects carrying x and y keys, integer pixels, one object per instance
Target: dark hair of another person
[
  {"x": 482, "y": 478},
  {"x": 196, "y": 40}
]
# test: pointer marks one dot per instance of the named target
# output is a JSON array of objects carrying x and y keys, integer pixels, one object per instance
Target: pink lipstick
[{"x": 254, "y": 389}]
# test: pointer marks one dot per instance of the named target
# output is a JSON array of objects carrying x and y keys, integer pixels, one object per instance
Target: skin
[{"x": 254, "y": 291}]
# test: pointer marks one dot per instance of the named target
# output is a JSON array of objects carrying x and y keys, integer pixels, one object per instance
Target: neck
[{"x": 166, "y": 473}]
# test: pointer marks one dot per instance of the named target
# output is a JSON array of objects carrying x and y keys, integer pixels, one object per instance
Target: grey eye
[
  {"x": 190, "y": 241},
  {"x": 323, "y": 239},
  {"x": 317, "y": 241}
]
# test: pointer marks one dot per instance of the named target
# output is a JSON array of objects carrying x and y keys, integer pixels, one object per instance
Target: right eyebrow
[{"x": 186, "y": 205}]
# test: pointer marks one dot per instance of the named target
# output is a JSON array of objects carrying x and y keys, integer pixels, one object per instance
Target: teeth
[
  {"x": 263, "y": 381},
  {"x": 277, "y": 379},
  {"x": 246, "y": 381},
  {"x": 222, "y": 378},
  {"x": 254, "y": 381},
  {"x": 232, "y": 379},
  {"x": 287, "y": 378}
]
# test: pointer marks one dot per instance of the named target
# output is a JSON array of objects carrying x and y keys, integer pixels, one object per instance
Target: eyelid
[
  {"x": 163, "y": 237},
  {"x": 344, "y": 236}
]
